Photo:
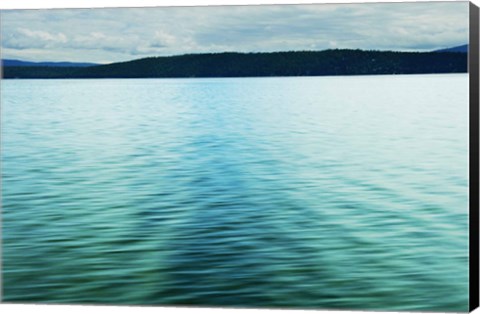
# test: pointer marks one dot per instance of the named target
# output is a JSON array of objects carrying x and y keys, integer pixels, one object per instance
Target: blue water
[{"x": 314, "y": 192}]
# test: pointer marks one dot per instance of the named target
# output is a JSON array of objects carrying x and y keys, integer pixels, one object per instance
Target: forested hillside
[{"x": 230, "y": 64}]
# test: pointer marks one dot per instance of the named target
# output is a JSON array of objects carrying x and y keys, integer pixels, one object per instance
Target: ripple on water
[{"x": 265, "y": 192}]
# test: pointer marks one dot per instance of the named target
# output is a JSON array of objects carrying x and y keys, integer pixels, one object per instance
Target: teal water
[{"x": 313, "y": 192}]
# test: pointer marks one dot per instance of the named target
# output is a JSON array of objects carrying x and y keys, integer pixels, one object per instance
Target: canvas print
[{"x": 266, "y": 156}]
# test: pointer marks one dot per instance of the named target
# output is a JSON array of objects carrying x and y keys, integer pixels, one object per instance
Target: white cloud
[
  {"x": 123, "y": 34},
  {"x": 24, "y": 38}
]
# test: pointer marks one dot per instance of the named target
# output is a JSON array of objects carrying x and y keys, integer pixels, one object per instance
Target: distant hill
[
  {"x": 462, "y": 48},
  {"x": 11, "y": 62},
  {"x": 232, "y": 64}
]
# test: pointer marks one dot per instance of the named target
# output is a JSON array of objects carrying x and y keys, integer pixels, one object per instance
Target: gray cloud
[
  {"x": 108, "y": 35},
  {"x": 24, "y": 38}
]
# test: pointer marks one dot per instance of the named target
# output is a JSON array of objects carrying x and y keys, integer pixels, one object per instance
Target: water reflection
[{"x": 278, "y": 192}]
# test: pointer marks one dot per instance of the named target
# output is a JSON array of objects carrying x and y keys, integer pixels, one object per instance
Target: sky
[{"x": 113, "y": 35}]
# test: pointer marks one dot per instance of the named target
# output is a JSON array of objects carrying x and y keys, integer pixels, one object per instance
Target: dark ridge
[
  {"x": 232, "y": 64},
  {"x": 20, "y": 63},
  {"x": 462, "y": 48}
]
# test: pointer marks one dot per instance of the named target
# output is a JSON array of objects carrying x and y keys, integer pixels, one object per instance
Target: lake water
[{"x": 310, "y": 192}]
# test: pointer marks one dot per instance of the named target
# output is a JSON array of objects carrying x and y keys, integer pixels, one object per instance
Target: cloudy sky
[{"x": 111, "y": 35}]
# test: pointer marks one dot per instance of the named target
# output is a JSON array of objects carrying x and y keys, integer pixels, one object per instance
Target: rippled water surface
[{"x": 314, "y": 192}]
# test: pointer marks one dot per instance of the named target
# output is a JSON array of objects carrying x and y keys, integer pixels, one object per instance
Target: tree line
[{"x": 233, "y": 64}]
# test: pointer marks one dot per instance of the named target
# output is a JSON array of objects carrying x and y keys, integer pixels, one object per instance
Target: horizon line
[{"x": 238, "y": 52}]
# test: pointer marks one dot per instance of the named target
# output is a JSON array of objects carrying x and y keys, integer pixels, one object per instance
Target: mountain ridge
[
  {"x": 461, "y": 48},
  {"x": 259, "y": 64},
  {"x": 15, "y": 62}
]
